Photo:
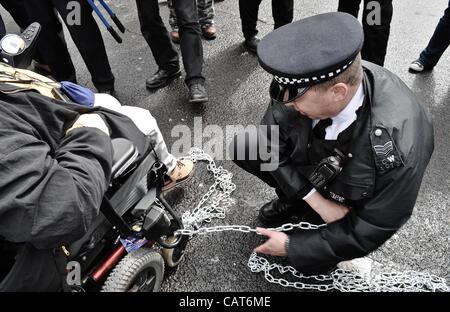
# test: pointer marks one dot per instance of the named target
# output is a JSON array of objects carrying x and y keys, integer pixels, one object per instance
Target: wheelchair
[{"x": 133, "y": 207}]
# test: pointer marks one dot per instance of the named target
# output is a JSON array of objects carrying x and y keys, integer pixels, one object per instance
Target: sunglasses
[{"x": 284, "y": 94}]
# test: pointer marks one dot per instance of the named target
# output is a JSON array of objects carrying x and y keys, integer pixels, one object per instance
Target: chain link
[{"x": 219, "y": 197}]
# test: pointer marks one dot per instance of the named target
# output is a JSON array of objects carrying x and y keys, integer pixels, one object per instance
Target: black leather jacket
[{"x": 390, "y": 147}]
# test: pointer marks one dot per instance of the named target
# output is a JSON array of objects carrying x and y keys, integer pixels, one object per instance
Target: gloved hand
[{"x": 90, "y": 120}]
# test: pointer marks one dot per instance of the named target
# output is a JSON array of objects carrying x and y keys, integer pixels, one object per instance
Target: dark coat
[
  {"x": 380, "y": 182},
  {"x": 52, "y": 184}
]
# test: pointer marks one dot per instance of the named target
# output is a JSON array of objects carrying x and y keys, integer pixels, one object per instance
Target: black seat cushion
[{"x": 124, "y": 154}]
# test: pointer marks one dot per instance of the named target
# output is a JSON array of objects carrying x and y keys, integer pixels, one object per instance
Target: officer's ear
[{"x": 339, "y": 92}]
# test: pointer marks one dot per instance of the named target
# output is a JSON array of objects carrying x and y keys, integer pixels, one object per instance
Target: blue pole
[
  {"x": 107, "y": 8},
  {"x": 113, "y": 16},
  {"x": 109, "y": 27},
  {"x": 99, "y": 13}
]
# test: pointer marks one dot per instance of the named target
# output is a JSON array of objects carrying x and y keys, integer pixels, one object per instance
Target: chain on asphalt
[{"x": 213, "y": 205}]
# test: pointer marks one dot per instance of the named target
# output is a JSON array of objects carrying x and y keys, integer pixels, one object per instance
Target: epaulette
[{"x": 386, "y": 153}]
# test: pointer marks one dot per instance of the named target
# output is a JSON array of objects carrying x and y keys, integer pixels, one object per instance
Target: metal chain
[
  {"x": 219, "y": 196},
  {"x": 349, "y": 281},
  {"x": 246, "y": 229}
]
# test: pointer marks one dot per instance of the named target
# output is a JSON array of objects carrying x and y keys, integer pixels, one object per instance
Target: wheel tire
[
  {"x": 173, "y": 256},
  {"x": 127, "y": 274}
]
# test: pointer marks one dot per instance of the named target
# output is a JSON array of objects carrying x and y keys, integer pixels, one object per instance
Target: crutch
[{"x": 105, "y": 22}]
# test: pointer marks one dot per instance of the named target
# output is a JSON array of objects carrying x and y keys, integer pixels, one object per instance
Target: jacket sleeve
[
  {"x": 49, "y": 198},
  {"x": 366, "y": 227},
  {"x": 286, "y": 175}
]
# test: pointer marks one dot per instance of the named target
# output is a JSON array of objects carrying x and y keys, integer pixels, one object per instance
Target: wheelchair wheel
[
  {"x": 173, "y": 256},
  {"x": 142, "y": 270}
]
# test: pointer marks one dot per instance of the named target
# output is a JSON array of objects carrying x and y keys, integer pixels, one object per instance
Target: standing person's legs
[
  {"x": 158, "y": 39},
  {"x": 172, "y": 16},
  {"x": 206, "y": 18},
  {"x": 18, "y": 11},
  {"x": 190, "y": 40},
  {"x": 174, "y": 35},
  {"x": 283, "y": 12},
  {"x": 89, "y": 41},
  {"x": 156, "y": 35},
  {"x": 191, "y": 49},
  {"x": 376, "y": 37},
  {"x": 438, "y": 43},
  {"x": 205, "y": 9},
  {"x": 248, "y": 10},
  {"x": 2, "y": 28},
  {"x": 51, "y": 44},
  {"x": 349, "y": 6}
]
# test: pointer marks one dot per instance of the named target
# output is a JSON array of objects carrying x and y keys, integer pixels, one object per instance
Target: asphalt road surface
[{"x": 238, "y": 93}]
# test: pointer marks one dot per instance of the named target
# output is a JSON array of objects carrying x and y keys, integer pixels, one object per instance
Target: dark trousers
[
  {"x": 18, "y": 11},
  {"x": 157, "y": 37},
  {"x": 375, "y": 36},
  {"x": 439, "y": 42},
  {"x": 33, "y": 271},
  {"x": 282, "y": 12},
  {"x": 242, "y": 150},
  {"x": 86, "y": 36},
  {"x": 2, "y": 28}
]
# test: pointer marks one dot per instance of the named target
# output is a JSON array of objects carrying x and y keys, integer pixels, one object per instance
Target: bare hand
[
  {"x": 330, "y": 211},
  {"x": 275, "y": 245},
  {"x": 91, "y": 120}
]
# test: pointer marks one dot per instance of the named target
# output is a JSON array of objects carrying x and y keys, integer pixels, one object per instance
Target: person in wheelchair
[{"x": 56, "y": 160}]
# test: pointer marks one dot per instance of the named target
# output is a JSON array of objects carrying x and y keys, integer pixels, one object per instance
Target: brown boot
[
  {"x": 175, "y": 36},
  {"x": 181, "y": 174},
  {"x": 209, "y": 32}
]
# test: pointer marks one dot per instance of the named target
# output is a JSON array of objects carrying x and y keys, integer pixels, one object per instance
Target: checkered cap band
[{"x": 314, "y": 79}]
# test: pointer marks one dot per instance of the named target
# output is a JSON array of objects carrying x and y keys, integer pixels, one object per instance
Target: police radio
[{"x": 326, "y": 171}]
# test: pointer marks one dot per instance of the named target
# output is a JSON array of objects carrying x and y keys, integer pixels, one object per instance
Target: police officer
[
  {"x": 86, "y": 36},
  {"x": 354, "y": 142}
]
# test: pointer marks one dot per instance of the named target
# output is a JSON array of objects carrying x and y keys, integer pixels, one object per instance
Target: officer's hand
[
  {"x": 330, "y": 211},
  {"x": 90, "y": 120},
  {"x": 275, "y": 245}
]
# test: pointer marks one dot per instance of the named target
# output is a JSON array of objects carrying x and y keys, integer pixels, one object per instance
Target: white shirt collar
[
  {"x": 346, "y": 117},
  {"x": 349, "y": 112}
]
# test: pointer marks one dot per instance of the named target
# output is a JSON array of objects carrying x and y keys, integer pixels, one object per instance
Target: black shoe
[
  {"x": 251, "y": 44},
  {"x": 162, "y": 77},
  {"x": 197, "y": 93},
  {"x": 276, "y": 212}
]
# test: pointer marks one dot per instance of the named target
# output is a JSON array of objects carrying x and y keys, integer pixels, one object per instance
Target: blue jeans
[{"x": 438, "y": 42}]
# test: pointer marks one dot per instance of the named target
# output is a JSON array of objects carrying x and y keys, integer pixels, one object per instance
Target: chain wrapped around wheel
[{"x": 142, "y": 270}]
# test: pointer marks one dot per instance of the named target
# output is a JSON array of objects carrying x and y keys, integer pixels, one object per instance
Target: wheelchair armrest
[{"x": 125, "y": 153}]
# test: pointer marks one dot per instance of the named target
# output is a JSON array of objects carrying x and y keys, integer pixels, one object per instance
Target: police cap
[{"x": 308, "y": 52}]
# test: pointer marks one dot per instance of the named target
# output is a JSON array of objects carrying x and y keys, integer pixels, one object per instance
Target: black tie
[{"x": 319, "y": 129}]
